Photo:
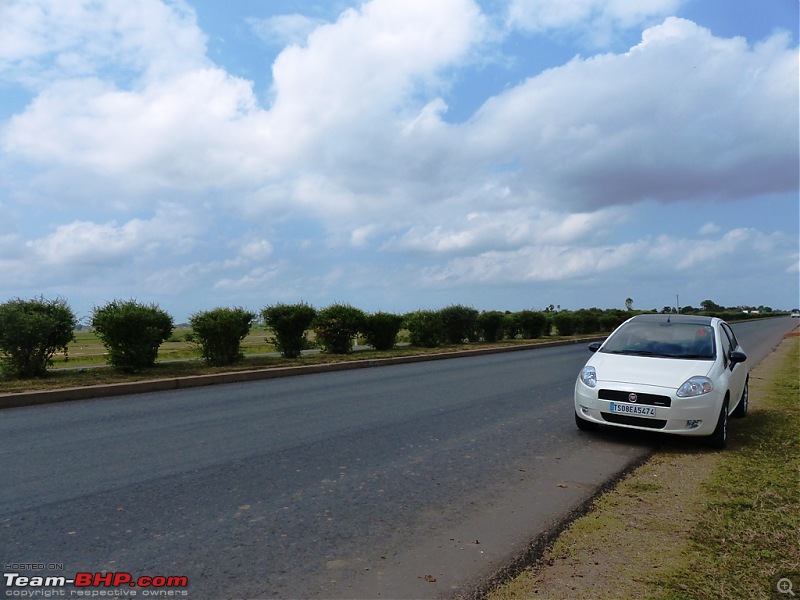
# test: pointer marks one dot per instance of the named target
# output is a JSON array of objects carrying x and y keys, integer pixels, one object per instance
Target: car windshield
[{"x": 663, "y": 339}]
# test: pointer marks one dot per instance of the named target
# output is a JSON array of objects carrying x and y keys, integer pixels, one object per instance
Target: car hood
[{"x": 647, "y": 370}]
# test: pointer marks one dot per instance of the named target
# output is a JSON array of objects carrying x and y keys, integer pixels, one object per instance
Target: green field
[{"x": 87, "y": 350}]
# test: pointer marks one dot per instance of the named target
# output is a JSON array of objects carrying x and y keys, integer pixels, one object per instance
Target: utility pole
[{"x": 677, "y": 303}]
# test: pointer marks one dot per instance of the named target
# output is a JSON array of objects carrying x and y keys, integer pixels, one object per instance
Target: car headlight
[
  {"x": 589, "y": 376},
  {"x": 695, "y": 386}
]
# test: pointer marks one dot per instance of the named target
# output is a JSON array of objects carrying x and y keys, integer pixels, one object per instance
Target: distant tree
[
  {"x": 711, "y": 306},
  {"x": 31, "y": 332},
  {"x": 628, "y": 303}
]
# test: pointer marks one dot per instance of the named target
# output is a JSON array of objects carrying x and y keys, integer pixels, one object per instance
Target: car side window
[
  {"x": 726, "y": 346},
  {"x": 729, "y": 332}
]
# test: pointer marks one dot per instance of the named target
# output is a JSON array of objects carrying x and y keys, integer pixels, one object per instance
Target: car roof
[{"x": 664, "y": 318}]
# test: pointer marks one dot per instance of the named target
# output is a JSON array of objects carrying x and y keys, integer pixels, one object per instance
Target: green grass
[
  {"x": 87, "y": 350},
  {"x": 749, "y": 531}
]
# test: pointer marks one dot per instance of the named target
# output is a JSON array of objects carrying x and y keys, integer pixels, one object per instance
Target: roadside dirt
[{"x": 623, "y": 547}]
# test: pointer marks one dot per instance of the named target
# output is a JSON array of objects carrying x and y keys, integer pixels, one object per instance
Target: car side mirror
[
  {"x": 595, "y": 346},
  {"x": 737, "y": 356}
]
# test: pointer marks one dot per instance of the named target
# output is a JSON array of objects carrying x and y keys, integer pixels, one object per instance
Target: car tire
[
  {"x": 741, "y": 409},
  {"x": 719, "y": 439},
  {"x": 585, "y": 425}
]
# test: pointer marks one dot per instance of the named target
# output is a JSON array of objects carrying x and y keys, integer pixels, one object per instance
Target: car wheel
[
  {"x": 719, "y": 439},
  {"x": 585, "y": 425},
  {"x": 741, "y": 409}
]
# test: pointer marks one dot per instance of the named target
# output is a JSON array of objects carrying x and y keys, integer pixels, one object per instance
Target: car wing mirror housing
[
  {"x": 595, "y": 346},
  {"x": 737, "y": 356}
]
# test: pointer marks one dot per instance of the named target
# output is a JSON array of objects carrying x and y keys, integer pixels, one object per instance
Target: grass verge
[
  {"x": 693, "y": 523},
  {"x": 748, "y": 534}
]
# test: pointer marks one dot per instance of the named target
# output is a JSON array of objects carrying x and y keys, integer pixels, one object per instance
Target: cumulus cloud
[
  {"x": 681, "y": 115},
  {"x": 89, "y": 244},
  {"x": 45, "y": 40}
]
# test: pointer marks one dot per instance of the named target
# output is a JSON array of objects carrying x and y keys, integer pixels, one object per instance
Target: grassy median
[{"x": 693, "y": 523}]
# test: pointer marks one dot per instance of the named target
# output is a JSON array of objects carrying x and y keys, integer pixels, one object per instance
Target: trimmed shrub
[
  {"x": 337, "y": 325},
  {"x": 132, "y": 333},
  {"x": 220, "y": 332},
  {"x": 532, "y": 324},
  {"x": 565, "y": 323},
  {"x": 31, "y": 332},
  {"x": 609, "y": 322},
  {"x": 425, "y": 328},
  {"x": 490, "y": 324},
  {"x": 289, "y": 323},
  {"x": 381, "y": 329},
  {"x": 460, "y": 323},
  {"x": 510, "y": 325},
  {"x": 587, "y": 321}
]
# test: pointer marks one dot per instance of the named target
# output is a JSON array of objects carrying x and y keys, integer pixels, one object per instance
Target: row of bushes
[{"x": 32, "y": 331}]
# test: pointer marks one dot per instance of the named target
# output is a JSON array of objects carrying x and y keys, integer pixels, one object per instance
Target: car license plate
[{"x": 633, "y": 409}]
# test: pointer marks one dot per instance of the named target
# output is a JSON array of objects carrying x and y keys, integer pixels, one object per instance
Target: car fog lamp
[
  {"x": 589, "y": 376},
  {"x": 693, "y": 424},
  {"x": 695, "y": 386}
]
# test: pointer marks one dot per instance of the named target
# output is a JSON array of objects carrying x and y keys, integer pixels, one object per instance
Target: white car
[{"x": 678, "y": 374}]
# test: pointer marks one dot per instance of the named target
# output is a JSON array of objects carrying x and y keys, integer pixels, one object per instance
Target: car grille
[
  {"x": 647, "y": 399},
  {"x": 637, "y": 421}
]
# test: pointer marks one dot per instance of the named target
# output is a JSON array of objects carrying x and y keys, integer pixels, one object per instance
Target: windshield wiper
[{"x": 640, "y": 353}]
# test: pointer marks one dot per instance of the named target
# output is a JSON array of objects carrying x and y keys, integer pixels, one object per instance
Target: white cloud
[
  {"x": 513, "y": 229},
  {"x": 89, "y": 244},
  {"x": 682, "y": 115},
  {"x": 256, "y": 250},
  {"x": 284, "y": 29},
  {"x": 665, "y": 255},
  {"x": 596, "y": 21},
  {"x": 708, "y": 229},
  {"x": 45, "y": 40},
  {"x": 185, "y": 132}
]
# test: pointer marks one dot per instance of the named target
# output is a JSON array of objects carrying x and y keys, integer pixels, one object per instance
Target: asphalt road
[{"x": 418, "y": 480}]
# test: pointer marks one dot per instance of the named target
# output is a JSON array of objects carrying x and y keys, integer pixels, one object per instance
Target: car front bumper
[{"x": 684, "y": 416}]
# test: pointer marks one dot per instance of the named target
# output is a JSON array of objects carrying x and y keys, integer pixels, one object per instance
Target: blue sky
[{"x": 398, "y": 155}]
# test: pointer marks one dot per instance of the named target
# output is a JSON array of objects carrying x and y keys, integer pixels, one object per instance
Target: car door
[{"x": 736, "y": 373}]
